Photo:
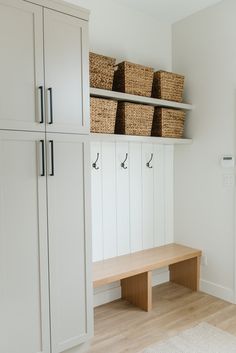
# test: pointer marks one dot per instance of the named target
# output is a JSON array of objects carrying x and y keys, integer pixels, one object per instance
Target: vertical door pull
[
  {"x": 42, "y": 158},
  {"x": 52, "y": 157},
  {"x": 50, "y": 106},
  {"x": 41, "y": 105}
]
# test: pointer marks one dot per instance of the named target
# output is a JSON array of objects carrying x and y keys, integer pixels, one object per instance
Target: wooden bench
[{"x": 134, "y": 271}]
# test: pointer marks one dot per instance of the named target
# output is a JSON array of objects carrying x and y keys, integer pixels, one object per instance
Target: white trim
[
  {"x": 217, "y": 290},
  {"x": 111, "y": 292},
  {"x": 64, "y": 7},
  {"x": 106, "y": 294}
]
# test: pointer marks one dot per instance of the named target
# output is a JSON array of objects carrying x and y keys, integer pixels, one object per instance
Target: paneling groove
[{"x": 132, "y": 209}]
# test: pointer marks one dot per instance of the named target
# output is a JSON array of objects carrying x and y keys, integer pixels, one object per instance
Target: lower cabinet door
[
  {"x": 24, "y": 300},
  {"x": 69, "y": 241}
]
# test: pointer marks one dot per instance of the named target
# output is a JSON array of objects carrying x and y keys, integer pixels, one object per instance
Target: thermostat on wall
[{"x": 227, "y": 161}]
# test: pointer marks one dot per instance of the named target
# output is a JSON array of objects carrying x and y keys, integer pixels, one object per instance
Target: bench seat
[{"x": 134, "y": 271}]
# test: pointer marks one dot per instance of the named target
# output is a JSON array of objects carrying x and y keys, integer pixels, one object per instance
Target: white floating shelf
[
  {"x": 139, "y": 139},
  {"x": 97, "y": 92}
]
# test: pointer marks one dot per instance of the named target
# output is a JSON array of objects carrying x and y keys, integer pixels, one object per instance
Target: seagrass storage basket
[
  {"x": 101, "y": 71},
  {"x": 103, "y": 115},
  {"x": 168, "y": 86},
  {"x": 133, "y": 79},
  {"x": 168, "y": 123},
  {"x": 134, "y": 119}
]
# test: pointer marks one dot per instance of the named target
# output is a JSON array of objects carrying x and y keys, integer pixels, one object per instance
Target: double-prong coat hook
[
  {"x": 123, "y": 163},
  {"x": 94, "y": 165},
  {"x": 148, "y": 163}
]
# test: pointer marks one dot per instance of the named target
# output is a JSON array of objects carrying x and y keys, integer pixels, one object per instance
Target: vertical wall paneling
[
  {"x": 122, "y": 198},
  {"x": 109, "y": 199},
  {"x": 159, "y": 196},
  {"x": 135, "y": 175},
  {"x": 132, "y": 209},
  {"x": 148, "y": 196},
  {"x": 169, "y": 194},
  {"x": 97, "y": 203}
]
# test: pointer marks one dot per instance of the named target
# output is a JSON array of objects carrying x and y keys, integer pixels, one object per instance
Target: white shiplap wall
[{"x": 132, "y": 209}]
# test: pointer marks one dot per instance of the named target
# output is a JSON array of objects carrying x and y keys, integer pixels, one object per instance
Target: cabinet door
[
  {"x": 24, "y": 300},
  {"x": 69, "y": 241},
  {"x": 66, "y": 73},
  {"x": 21, "y": 65}
]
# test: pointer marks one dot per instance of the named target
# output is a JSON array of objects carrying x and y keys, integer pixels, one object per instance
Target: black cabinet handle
[
  {"x": 41, "y": 104},
  {"x": 43, "y": 157},
  {"x": 52, "y": 157},
  {"x": 50, "y": 106}
]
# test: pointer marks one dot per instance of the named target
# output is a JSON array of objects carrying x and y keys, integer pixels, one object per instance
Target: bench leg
[
  {"x": 138, "y": 290},
  {"x": 186, "y": 273}
]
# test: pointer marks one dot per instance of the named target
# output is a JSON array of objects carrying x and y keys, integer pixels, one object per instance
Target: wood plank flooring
[{"x": 121, "y": 327}]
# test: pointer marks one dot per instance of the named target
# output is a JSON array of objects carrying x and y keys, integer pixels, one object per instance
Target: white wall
[
  {"x": 132, "y": 208},
  {"x": 204, "y": 49},
  {"x": 123, "y": 33}
]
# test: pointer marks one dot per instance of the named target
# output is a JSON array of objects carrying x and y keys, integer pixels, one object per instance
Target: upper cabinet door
[
  {"x": 66, "y": 73},
  {"x": 21, "y": 65},
  {"x": 24, "y": 302}
]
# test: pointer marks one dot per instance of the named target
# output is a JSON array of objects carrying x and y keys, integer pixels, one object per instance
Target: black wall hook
[
  {"x": 123, "y": 163},
  {"x": 148, "y": 163},
  {"x": 94, "y": 165}
]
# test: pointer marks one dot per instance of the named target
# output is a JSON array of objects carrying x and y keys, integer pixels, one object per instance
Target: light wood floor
[{"x": 120, "y": 327}]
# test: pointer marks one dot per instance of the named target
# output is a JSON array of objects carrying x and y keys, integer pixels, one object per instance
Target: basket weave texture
[
  {"x": 168, "y": 86},
  {"x": 168, "y": 123},
  {"x": 101, "y": 71},
  {"x": 103, "y": 115},
  {"x": 134, "y": 119},
  {"x": 133, "y": 79}
]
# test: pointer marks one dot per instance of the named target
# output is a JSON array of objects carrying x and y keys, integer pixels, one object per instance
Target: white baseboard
[
  {"x": 106, "y": 294},
  {"x": 111, "y": 292},
  {"x": 160, "y": 276},
  {"x": 217, "y": 290}
]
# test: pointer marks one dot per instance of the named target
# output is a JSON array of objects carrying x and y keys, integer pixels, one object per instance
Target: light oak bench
[{"x": 135, "y": 271}]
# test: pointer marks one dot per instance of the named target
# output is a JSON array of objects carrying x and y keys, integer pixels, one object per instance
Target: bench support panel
[
  {"x": 138, "y": 290},
  {"x": 186, "y": 273}
]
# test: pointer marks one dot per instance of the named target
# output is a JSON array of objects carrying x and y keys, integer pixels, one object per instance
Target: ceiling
[{"x": 168, "y": 10}]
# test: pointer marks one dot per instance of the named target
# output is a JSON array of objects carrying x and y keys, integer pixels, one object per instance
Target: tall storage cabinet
[{"x": 45, "y": 240}]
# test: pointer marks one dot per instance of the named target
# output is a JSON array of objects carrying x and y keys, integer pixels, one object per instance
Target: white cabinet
[
  {"x": 21, "y": 65},
  {"x": 44, "y": 219},
  {"x": 69, "y": 240},
  {"x": 24, "y": 300},
  {"x": 45, "y": 261},
  {"x": 44, "y": 68},
  {"x": 66, "y": 73}
]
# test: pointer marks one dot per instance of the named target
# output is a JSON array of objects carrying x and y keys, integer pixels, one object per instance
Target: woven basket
[
  {"x": 168, "y": 123},
  {"x": 101, "y": 71},
  {"x": 168, "y": 86},
  {"x": 133, "y": 79},
  {"x": 103, "y": 115},
  {"x": 134, "y": 119}
]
